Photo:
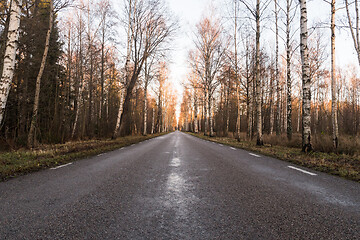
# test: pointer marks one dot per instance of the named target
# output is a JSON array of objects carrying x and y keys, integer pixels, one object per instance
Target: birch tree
[
  {"x": 10, "y": 54},
  {"x": 306, "y": 98},
  {"x": 211, "y": 52},
  {"x": 334, "y": 103},
  {"x": 290, "y": 15},
  {"x": 257, "y": 12}
]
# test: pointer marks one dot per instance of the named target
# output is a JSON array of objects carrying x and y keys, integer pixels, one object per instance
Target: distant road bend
[{"x": 179, "y": 187}]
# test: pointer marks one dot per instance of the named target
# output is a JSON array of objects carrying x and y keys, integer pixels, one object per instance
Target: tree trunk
[
  {"x": 237, "y": 80},
  {"x": 186, "y": 118},
  {"x": 211, "y": 126},
  {"x": 299, "y": 112},
  {"x": 288, "y": 73},
  {"x": 335, "y": 128},
  {"x": 306, "y": 106},
  {"x": 206, "y": 125},
  {"x": 117, "y": 127},
  {"x": 3, "y": 40},
  {"x": 276, "y": 75},
  {"x": 10, "y": 54},
  {"x": 196, "y": 130},
  {"x": 259, "y": 140},
  {"x": 31, "y": 137},
  {"x": 249, "y": 99},
  {"x": 271, "y": 105},
  {"x": 153, "y": 121},
  {"x": 145, "y": 109},
  {"x": 238, "y": 121},
  {"x": 159, "y": 119},
  {"x": 102, "y": 80},
  {"x": 227, "y": 106}
]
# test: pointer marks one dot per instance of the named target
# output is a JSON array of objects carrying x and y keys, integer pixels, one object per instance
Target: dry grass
[
  {"x": 20, "y": 162},
  {"x": 339, "y": 163}
]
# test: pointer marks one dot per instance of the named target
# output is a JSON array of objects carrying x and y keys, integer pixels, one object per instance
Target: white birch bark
[
  {"x": 117, "y": 127},
  {"x": 153, "y": 121},
  {"x": 288, "y": 73},
  {"x": 335, "y": 128},
  {"x": 10, "y": 54},
  {"x": 306, "y": 106}
]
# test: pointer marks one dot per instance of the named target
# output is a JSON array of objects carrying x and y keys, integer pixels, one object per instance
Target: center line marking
[
  {"x": 61, "y": 166},
  {"x": 233, "y": 148},
  {"x": 253, "y": 154},
  {"x": 298, "y": 169}
]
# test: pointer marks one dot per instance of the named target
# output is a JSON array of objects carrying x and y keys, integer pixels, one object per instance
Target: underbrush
[
  {"x": 349, "y": 145},
  {"x": 345, "y": 162}
]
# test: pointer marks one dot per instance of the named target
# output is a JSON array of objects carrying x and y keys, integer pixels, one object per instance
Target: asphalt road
[{"x": 179, "y": 187}]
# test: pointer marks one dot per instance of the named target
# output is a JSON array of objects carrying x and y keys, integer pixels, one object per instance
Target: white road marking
[
  {"x": 175, "y": 162},
  {"x": 253, "y": 154},
  {"x": 100, "y": 154},
  {"x": 233, "y": 148},
  {"x": 61, "y": 166},
  {"x": 221, "y": 144},
  {"x": 298, "y": 169}
]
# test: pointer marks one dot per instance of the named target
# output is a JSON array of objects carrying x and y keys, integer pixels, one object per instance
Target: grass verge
[
  {"x": 342, "y": 165},
  {"x": 20, "y": 162}
]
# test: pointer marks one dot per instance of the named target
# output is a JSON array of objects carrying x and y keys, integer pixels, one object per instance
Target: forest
[
  {"x": 258, "y": 71},
  {"x": 64, "y": 77},
  {"x": 290, "y": 93}
]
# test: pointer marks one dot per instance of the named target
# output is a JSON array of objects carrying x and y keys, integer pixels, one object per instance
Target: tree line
[
  {"x": 67, "y": 72},
  {"x": 260, "y": 68}
]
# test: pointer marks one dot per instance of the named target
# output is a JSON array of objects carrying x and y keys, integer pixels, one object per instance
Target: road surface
[{"x": 179, "y": 187}]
